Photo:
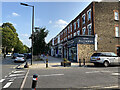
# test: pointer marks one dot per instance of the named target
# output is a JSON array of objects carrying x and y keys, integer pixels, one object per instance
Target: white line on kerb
[
  {"x": 8, "y": 84},
  {"x": 2, "y": 80}
]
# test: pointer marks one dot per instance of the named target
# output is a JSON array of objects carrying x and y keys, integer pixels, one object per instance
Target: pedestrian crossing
[{"x": 9, "y": 80}]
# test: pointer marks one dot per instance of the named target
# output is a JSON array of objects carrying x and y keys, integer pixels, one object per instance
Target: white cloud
[
  {"x": 1, "y": 24},
  {"x": 15, "y": 14},
  {"x": 60, "y": 23},
  {"x": 50, "y": 22},
  {"x": 24, "y": 35}
]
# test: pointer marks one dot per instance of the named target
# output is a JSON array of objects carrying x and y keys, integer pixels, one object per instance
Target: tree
[
  {"x": 39, "y": 44},
  {"x": 9, "y": 36}
]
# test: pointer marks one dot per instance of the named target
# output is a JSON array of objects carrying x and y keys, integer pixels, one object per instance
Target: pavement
[{"x": 52, "y": 63}]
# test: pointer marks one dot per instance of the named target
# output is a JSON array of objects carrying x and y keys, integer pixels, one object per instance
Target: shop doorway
[
  {"x": 73, "y": 54},
  {"x": 118, "y": 51}
]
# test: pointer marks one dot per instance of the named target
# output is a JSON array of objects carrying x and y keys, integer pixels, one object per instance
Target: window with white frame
[
  {"x": 89, "y": 14},
  {"x": 74, "y": 33},
  {"x": 78, "y": 32},
  {"x": 117, "y": 32},
  {"x": 68, "y": 30},
  {"x": 78, "y": 22},
  {"x": 58, "y": 38},
  {"x": 74, "y": 25},
  {"x": 71, "y": 35},
  {"x": 83, "y": 19},
  {"x": 68, "y": 36},
  {"x": 83, "y": 30},
  {"x": 89, "y": 29},
  {"x": 53, "y": 41},
  {"x": 71, "y": 27},
  {"x": 116, "y": 15},
  {"x": 65, "y": 32}
]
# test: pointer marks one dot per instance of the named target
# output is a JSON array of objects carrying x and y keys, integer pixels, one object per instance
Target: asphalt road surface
[
  {"x": 75, "y": 77},
  {"x": 11, "y": 76},
  {"x": 61, "y": 77}
]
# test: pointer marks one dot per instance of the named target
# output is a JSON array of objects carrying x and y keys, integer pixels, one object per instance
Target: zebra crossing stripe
[
  {"x": 2, "y": 80},
  {"x": 8, "y": 84}
]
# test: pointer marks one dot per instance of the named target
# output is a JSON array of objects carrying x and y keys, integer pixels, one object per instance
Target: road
[
  {"x": 59, "y": 77},
  {"x": 75, "y": 77},
  {"x": 11, "y": 76}
]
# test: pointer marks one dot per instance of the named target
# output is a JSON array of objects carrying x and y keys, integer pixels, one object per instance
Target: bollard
[
  {"x": 83, "y": 61},
  {"x": 47, "y": 61},
  {"x": 26, "y": 65},
  {"x": 79, "y": 62},
  {"x": 34, "y": 82},
  {"x": 64, "y": 63}
]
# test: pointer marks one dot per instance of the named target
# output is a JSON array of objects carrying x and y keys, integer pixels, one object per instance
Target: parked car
[
  {"x": 20, "y": 58},
  {"x": 15, "y": 55},
  {"x": 105, "y": 58},
  {"x": 8, "y": 55}
]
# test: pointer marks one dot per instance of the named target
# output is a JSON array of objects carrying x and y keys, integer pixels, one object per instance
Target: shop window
[
  {"x": 83, "y": 31},
  {"x": 89, "y": 29},
  {"x": 117, "y": 32},
  {"x": 89, "y": 14},
  {"x": 83, "y": 19},
  {"x": 118, "y": 51},
  {"x": 116, "y": 15}
]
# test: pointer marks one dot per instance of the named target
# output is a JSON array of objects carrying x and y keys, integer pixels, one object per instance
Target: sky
[{"x": 54, "y": 16}]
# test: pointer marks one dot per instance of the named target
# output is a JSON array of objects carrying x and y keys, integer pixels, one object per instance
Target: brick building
[{"x": 95, "y": 29}]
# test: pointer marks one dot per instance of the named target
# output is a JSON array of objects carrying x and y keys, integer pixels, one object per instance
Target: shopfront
[
  {"x": 72, "y": 46},
  {"x": 118, "y": 51}
]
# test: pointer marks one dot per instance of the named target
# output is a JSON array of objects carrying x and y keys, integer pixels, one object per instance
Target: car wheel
[{"x": 106, "y": 63}]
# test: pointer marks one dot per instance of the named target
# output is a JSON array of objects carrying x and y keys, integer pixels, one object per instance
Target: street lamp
[{"x": 32, "y": 26}]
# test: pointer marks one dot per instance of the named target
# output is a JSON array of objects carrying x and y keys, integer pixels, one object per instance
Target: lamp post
[{"x": 32, "y": 27}]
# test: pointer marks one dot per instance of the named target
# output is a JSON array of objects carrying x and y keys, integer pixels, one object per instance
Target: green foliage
[
  {"x": 66, "y": 60},
  {"x": 9, "y": 36},
  {"x": 10, "y": 39},
  {"x": 39, "y": 45}
]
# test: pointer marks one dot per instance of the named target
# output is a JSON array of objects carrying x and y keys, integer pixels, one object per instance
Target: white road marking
[
  {"x": 8, "y": 84},
  {"x": 98, "y": 71},
  {"x": 2, "y": 80},
  {"x": 93, "y": 72},
  {"x": 18, "y": 71},
  {"x": 12, "y": 75},
  {"x": 105, "y": 71},
  {"x": 115, "y": 73},
  {"x": 23, "y": 83},
  {"x": 52, "y": 75},
  {"x": 12, "y": 79},
  {"x": 112, "y": 86}
]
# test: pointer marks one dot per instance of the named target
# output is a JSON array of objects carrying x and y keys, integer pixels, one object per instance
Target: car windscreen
[
  {"x": 20, "y": 55},
  {"x": 96, "y": 54}
]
